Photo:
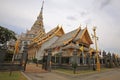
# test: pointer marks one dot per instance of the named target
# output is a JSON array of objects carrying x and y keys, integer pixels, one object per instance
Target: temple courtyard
[
  {"x": 39, "y": 74},
  {"x": 107, "y": 75},
  {"x": 60, "y": 54}
]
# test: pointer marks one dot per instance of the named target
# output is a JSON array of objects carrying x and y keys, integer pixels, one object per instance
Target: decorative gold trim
[{"x": 66, "y": 42}]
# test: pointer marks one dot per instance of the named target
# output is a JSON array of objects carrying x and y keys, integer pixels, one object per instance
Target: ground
[
  {"x": 112, "y": 74},
  {"x": 16, "y": 75},
  {"x": 34, "y": 68},
  {"x": 107, "y": 75}
]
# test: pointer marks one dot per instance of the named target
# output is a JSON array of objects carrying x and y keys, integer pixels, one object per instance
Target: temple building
[
  {"x": 36, "y": 29},
  {"x": 57, "y": 40}
]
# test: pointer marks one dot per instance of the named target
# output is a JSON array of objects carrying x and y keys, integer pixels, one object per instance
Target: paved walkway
[
  {"x": 108, "y": 75},
  {"x": 33, "y": 68},
  {"x": 45, "y": 76},
  {"x": 36, "y": 73},
  {"x": 113, "y": 74}
]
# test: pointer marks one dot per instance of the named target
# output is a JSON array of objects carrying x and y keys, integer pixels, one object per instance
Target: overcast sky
[{"x": 19, "y": 15}]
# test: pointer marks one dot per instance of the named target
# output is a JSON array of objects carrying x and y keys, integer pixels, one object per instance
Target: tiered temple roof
[
  {"x": 74, "y": 39},
  {"x": 79, "y": 35},
  {"x": 36, "y": 29}
]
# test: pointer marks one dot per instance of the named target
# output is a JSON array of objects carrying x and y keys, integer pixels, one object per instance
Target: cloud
[
  {"x": 88, "y": 21},
  {"x": 73, "y": 18},
  {"x": 83, "y": 13},
  {"x": 16, "y": 29},
  {"x": 105, "y": 3},
  {"x": 101, "y": 3},
  {"x": 20, "y": 15}
]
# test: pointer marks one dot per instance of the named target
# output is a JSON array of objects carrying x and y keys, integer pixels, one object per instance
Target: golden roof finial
[
  {"x": 41, "y": 11},
  {"x": 80, "y": 26}
]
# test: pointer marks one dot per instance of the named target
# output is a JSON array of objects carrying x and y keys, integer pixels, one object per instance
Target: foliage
[
  {"x": 6, "y": 35},
  {"x": 69, "y": 71},
  {"x": 15, "y": 76},
  {"x": 10, "y": 52},
  {"x": 34, "y": 60},
  {"x": 8, "y": 57}
]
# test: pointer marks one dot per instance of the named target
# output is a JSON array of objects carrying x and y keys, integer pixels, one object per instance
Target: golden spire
[
  {"x": 38, "y": 25},
  {"x": 41, "y": 12}
]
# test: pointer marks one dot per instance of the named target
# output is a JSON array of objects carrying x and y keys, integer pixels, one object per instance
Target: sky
[{"x": 20, "y": 15}]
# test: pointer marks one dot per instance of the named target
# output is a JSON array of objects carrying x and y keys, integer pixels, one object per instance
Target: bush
[
  {"x": 34, "y": 60},
  {"x": 8, "y": 57}
]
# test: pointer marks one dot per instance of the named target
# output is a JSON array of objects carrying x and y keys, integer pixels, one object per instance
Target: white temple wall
[{"x": 40, "y": 52}]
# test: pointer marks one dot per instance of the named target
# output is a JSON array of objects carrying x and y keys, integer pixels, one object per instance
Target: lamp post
[{"x": 95, "y": 38}]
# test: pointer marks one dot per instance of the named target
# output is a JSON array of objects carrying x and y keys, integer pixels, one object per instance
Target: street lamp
[{"x": 96, "y": 38}]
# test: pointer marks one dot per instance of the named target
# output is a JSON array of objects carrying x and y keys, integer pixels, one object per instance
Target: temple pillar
[
  {"x": 83, "y": 61},
  {"x": 110, "y": 60},
  {"x": 24, "y": 57},
  {"x": 74, "y": 61},
  {"x": 49, "y": 60},
  {"x": 89, "y": 61},
  {"x": 101, "y": 61},
  {"x": 75, "y": 58},
  {"x": 93, "y": 61},
  {"x": 78, "y": 60},
  {"x": 60, "y": 57}
]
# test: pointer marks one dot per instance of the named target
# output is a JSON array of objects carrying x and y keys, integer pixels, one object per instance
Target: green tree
[{"x": 6, "y": 35}]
